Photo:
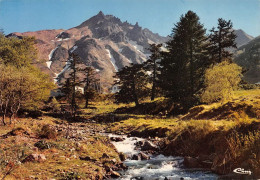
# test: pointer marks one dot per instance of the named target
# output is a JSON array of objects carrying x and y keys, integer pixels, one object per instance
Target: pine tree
[
  {"x": 221, "y": 39},
  {"x": 152, "y": 66},
  {"x": 91, "y": 83},
  {"x": 184, "y": 65},
  {"x": 69, "y": 87},
  {"x": 132, "y": 82}
]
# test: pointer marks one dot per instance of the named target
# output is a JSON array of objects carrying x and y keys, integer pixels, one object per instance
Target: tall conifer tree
[
  {"x": 184, "y": 65},
  {"x": 132, "y": 82},
  {"x": 152, "y": 65},
  {"x": 221, "y": 39}
]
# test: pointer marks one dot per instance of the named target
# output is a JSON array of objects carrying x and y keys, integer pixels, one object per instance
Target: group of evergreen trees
[
  {"x": 179, "y": 72},
  {"x": 80, "y": 76}
]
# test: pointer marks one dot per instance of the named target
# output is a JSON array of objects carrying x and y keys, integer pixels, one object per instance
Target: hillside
[
  {"x": 242, "y": 37},
  {"x": 248, "y": 56}
]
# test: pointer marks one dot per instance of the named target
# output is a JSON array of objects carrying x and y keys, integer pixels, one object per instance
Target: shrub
[
  {"x": 47, "y": 132},
  {"x": 221, "y": 80}
]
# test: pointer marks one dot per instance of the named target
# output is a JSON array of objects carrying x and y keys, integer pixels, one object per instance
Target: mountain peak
[
  {"x": 242, "y": 37},
  {"x": 100, "y": 14}
]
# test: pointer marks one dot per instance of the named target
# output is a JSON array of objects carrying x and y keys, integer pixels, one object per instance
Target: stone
[
  {"x": 206, "y": 164},
  {"x": 105, "y": 155},
  {"x": 41, "y": 158},
  {"x": 117, "y": 139},
  {"x": 148, "y": 146},
  {"x": 35, "y": 158},
  {"x": 115, "y": 174},
  {"x": 191, "y": 162},
  {"x": 122, "y": 156},
  {"x": 136, "y": 157},
  {"x": 144, "y": 156},
  {"x": 123, "y": 166},
  {"x": 139, "y": 143},
  {"x": 87, "y": 158}
]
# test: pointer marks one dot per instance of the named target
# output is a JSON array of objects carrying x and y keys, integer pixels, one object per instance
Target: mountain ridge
[{"x": 103, "y": 42}]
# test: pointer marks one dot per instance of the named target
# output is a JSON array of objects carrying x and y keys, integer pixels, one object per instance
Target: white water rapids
[{"x": 158, "y": 167}]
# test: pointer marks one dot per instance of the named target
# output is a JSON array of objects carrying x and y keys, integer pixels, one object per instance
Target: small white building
[
  {"x": 79, "y": 89},
  {"x": 114, "y": 89}
]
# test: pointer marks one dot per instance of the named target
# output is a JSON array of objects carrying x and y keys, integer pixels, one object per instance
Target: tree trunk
[
  {"x": 3, "y": 119},
  {"x": 154, "y": 78},
  {"x": 73, "y": 101},
  {"x": 11, "y": 118},
  {"x": 219, "y": 47},
  {"x": 134, "y": 94},
  {"x": 86, "y": 102},
  {"x": 191, "y": 69},
  {"x": 86, "y": 90}
]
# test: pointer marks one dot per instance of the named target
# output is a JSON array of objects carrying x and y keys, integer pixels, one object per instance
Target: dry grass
[{"x": 62, "y": 155}]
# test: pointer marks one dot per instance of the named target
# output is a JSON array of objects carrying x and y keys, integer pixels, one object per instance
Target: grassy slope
[
  {"x": 228, "y": 140},
  {"x": 62, "y": 158},
  {"x": 227, "y": 133}
]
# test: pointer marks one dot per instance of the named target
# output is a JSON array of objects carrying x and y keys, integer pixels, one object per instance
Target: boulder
[
  {"x": 147, "y": 145},
  {"x": 139, "y": 143},
  {"x": 206, "y": 164},
  {"x": 122, "y": 156},
  {"x": 143, "y": 156},
  {"x": 191, "y": 162},
  {"x": 117, "y": 139},
  {"x": 41, "y": 158},
  {"x": 115, "y": 174},
  {"x": 140, "y": 156},
  {"x": 35, "y": 158},
  {"x": 136, "y": 157}
]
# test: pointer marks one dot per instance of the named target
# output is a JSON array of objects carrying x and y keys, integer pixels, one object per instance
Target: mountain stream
[{"x": 158, "y": 167}]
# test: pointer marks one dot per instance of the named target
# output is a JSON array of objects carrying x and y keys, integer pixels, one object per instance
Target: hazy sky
[{"x": 157, "y": 15}]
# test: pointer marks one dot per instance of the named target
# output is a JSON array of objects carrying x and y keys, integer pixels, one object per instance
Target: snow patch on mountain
[
  {"x": 51, "y": 53},
  {"x": 112, "y": 59},
  {"x": 49, "y": 64},
  {"x": 55, "y": 79},
  {"x": 50, "y": 56},
  {"x": 66, "y": 67},
  {"x": 138, "y": 47},
  {"x": 73, "y": 49}
]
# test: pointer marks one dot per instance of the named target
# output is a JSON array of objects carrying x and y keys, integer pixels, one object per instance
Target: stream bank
[{"x": 150, "y": 165}]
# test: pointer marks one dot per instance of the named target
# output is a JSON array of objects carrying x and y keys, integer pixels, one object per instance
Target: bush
[
  {"x": 47, "y": 132},
  {"x": 54, "y": 105},
  {"x": 221, "y": 80},
  {"x": 42, "y": 145}
]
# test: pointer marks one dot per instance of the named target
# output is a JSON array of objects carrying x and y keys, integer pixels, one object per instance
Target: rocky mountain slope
[
  {"x": 242, "y": 38},
  {"x": 248, "y": 56},
  {"x": 103, "y": 42}
]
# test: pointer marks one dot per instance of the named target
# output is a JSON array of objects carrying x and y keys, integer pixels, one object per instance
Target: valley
[{"x": 109, "y": 99}]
